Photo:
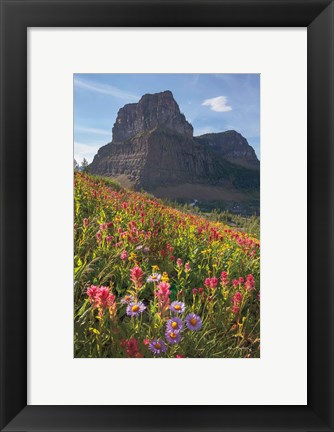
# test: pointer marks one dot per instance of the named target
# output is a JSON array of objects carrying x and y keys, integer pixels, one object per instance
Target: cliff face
[
  {"x": 153, "y": 146},
  {"x": 232, "y": 146},
  {"x": 152, "y": 111}
]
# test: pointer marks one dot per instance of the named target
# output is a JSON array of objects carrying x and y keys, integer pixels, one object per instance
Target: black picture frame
[{"x": 16, "y": 17}]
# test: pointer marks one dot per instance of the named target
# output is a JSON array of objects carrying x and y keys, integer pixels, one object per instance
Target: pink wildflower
[
  {"x": 104, "y": 297},
  {"x": 237, "y": 297},
  {"x": 91, "y": 292},
  {"x": 179, "y": 262},
  {"x": 100, "y": 297},
  {"x": 85, "y": 222},
  {"x": 131, "y": 348},
  {"x": 162, "y": 294},
  {"x": 224, "y": 278},
  {"x": 187, "y": 267},
  {"x": 213, "y": 282},
  {"x": 137, "y": 276},
  {"x": 163, "y": 289},
  {"x": 169, "y": 248},
  {"x": 124, "y": 255},
  {"x": 235, "y": 309},
  {"x": 236, "y": 301},
  {"x": 250, "y": 283}
]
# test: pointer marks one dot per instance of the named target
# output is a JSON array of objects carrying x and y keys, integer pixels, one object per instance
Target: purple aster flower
[
  {"x": 175, "y": 324},
  {"x": 140, "y": 247},
  {"x": 157, "y": 346},
  {"x": 154, "y": 277},
  {"x": 173, "y": 336},
  {"x": 193, "y": 322},
  {"x": 127, "y": 299},
  {"x": 135, "y": 308},
  {"x": 177, "y": 307}
]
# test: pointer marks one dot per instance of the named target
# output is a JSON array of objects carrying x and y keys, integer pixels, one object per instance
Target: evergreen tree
[{"x": 84, "y": 165}]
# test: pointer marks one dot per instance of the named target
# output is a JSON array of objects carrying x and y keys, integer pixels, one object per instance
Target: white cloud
[
  {"x": 104, "y": 89},
  {"x": 93, "y": 130},
  {"x": 218, "y": 104},
  {"x": 87, "y": 151}
]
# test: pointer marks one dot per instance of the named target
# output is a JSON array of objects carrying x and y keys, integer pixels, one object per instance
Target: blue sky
[{"x": 210, "y": 102}]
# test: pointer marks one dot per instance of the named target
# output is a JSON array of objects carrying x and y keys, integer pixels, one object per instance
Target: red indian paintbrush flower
[
  {"x": 105, "y": 298},
  {"x": 100, "y": 297},
  {"x": 91, "y": 292},
  {"x": 179, "y": 262},
  {"x": 162, "y": 294},
  {"x": 250, "y": 283},
  {"x": 211, "y": 282},
  {"x": 224, "y": 278},
  {"x": 124, "y": 255},
  {"x": 131, "y": 348},
  {"x": 236, "y": 301},
  {"x": 187, "y": 267},
  {"x": 237, "y": 297},
  {"x": 137, "y": 276}
]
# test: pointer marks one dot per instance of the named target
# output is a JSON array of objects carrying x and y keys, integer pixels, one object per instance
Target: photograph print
[{"x": 166, "y": 215}]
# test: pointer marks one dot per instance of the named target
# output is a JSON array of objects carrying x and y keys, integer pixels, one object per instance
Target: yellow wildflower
[{"x": 132, "y": 256}]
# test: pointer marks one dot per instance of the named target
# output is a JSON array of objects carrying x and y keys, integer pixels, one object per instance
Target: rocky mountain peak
[
  {"x": 232, "y": 146},
  {"x": 153, "y": 148},
  {"x": 153, "y": 111}
]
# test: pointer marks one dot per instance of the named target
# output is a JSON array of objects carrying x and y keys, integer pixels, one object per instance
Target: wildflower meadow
[{"x": 151, "y": 280}]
